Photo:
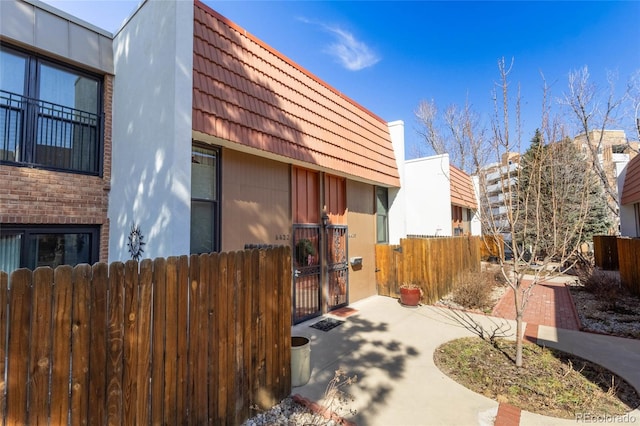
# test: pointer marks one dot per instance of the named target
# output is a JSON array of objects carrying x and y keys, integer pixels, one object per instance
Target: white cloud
[{"x": 351, "y": 53}]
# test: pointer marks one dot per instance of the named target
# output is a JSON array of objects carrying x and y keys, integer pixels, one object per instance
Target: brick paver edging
[
  {"x": 317, "y": 408},
  {"x": 573, "y": 306},
  {"x": 508, "y": 415}
]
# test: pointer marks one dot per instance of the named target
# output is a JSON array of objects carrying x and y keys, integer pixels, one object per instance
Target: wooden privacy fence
[
  {"x": 605, "y": 252},
  {"x": 435, "y": 264},
  {"x": 491, "y": 247},
  {"x": 629, "y": 263},
  {"x": 186, "y": 340}
]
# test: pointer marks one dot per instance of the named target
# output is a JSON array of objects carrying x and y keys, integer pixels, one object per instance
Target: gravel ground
[
  {"x": 617, "y": 316},
  {"x": 289, "y": 413}
]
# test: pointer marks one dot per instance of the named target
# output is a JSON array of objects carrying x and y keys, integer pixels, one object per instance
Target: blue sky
[{"x": 390, "y": 55}]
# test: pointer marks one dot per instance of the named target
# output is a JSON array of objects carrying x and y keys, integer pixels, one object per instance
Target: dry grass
[{"x": 551, "y": 382}]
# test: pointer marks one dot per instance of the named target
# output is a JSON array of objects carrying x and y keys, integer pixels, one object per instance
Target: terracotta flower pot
[{"x": 410, "y": 296}]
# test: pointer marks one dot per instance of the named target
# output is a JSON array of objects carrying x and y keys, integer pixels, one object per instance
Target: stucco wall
[
  {"x": 255, "y": 201},
  {"x": 427, "y": 190},
  {"x": 397, "y": 201},
  {"x": 151, "y": 175},
  {"x": 362, "y": 239}
]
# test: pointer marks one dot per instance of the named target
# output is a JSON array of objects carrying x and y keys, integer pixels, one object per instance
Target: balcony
[{"x": 43, "y": 134}]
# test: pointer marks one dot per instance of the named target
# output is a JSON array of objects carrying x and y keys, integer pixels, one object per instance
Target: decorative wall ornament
[{"x": 136, "y": 242}]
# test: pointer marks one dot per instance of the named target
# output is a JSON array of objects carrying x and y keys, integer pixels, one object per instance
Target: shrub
[
  {"x": 474, "y": 292},
  {"x": 606, "y": 286}
]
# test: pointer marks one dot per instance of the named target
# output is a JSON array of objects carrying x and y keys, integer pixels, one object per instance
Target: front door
[
  {"x": 307, "y": 272},
  {"x": 337, "y": 267}
]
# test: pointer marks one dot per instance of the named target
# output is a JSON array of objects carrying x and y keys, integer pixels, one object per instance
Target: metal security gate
[
  {"x": 307, "y": 271},
  {"x": 337, "y": 267}
]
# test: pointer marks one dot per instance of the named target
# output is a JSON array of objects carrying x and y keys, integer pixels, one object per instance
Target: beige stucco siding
[
  {"x": 362, "y": 238},
  {"x": 255, "y": 201}
]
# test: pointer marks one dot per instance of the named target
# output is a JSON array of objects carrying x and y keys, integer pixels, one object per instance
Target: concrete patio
[{"x": 390, "y": 349}]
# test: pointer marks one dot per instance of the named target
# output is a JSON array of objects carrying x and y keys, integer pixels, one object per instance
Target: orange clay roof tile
[
  {"x": 631, "y": 188},
  {"x": 248, "y": 93},
  {"x": 462, "y": 192}
]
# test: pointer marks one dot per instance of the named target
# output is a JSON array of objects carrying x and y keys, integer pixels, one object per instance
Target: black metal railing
[{"x": 41, "y": 133}]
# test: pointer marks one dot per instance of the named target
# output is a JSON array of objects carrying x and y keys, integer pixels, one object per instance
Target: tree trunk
[{"x": 518, "y": 305}]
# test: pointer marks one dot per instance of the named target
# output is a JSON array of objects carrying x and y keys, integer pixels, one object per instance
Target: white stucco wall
[
  {"x": 476, "y": 220},
  {"x": 397, "y": 203},
  {"x": 152, "y": 101},
  {"x": 427, "y": 191},
  {"x": 628, "y": 226}
]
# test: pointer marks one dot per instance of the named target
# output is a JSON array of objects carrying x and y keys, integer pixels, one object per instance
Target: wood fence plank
[
  {"x": 61, "y": 345},
  {"x": 212, "y": 343},
  {"x": 261, "y": 377},
  {"x": 115, "y": 345},
  {"x": 195, "y": 351},
  {"x": 222, "y": 303},
  {"x": 255, "y": 328},
  {"x": 248, "y": 272},
  {"x": 143, "y": 369},
  {"x": 287, "y": 279},
  {"x": 232, "y": 317},
  {"x": 183, "y": 395},
  {"x": 4, "y": 318},
  {"x": 284, "y": 335},
  {"x": 40, "y": 354},
  {"x": 271, "y": 308},
  {"x": 20, "y": 299},
  {"x": 203, "y": 359},
  {"x": 171, "y": 343},
  {"x": 158, "y": 341},
  {"x": 98, "y": 348},
  {"x": 242, "y": 296},
  {"x": 130, "y": 357},
  {"x": 80, "y": 344}
]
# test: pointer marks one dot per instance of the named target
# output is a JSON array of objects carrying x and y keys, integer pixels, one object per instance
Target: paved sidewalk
[{"x": 390, "y": 348}]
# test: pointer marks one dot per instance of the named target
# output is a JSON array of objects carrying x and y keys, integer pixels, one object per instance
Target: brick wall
[{"x": 35, "y": 196}]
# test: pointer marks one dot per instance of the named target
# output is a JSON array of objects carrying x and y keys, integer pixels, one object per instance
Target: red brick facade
[{"x": 35, "y": 196}]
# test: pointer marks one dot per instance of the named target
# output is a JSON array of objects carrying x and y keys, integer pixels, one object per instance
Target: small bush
[
  {"x": 605, "y": 286},
  {"x": 475, "y": 290}
]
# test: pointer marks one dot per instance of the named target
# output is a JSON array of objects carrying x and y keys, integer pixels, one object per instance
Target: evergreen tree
[{"x": 559, "y": 197}]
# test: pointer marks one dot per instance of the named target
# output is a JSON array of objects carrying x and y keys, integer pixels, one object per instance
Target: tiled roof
[
  {"x": 247, "y": 93},
  {"x": 631, "y": 188},
  {"x": 462, "y": 193}
]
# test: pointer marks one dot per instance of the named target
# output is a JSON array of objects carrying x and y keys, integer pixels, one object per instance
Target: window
[
  {"x": 35, "y": 246},
  {"x": 456, "y": 213},
  {"x": 50, "y": 114},
  {"x": 205, "y": 234},
  {"x": 382, "y": 213}
]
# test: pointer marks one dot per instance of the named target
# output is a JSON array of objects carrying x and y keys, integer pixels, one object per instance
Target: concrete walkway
[{"x": 390, "y": 348}]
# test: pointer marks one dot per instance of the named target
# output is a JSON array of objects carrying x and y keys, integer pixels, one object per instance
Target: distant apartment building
[
  {"x": 56, "y": 77},
  {"x": 612, "y": 150},
  {"x": 498, "y": 180}
]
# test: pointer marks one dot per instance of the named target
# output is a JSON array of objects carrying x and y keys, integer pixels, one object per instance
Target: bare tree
[
  {"x": 533, "y": 210},
  {"x": 457, "y": 132},
  {"x": 594, "y": 111},
  {"x": 634, "y": 104}
]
